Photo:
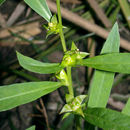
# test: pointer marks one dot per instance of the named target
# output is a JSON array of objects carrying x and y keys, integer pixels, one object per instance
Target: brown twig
[
  {"x": 35, "y": 115},
  {"x": 2, "y": 21},
  {"x": 16, "y": 14},
  {"x": 24, "y": 30},
  {"x": 71, "y": 1},
  {"x": 120, "y": 97},
  {"x": 13, "y": 43},
  {"x": 100, "y": 13},
  {"x": 43, "y": 111},
  {"x": 29, "y": 20},
  {"x": 91, "y": 49},
  {"x": 74, "y": 18},
  {"x": 118, "y": 105}
]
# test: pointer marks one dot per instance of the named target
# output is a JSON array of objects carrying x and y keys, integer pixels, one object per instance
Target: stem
[
  {"x": 60, "y": 26},
  {"x": 77, "y": 120},
  {"x": 70, "y": 88}
]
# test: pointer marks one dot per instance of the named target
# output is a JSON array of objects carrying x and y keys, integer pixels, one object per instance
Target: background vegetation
[{"x": 88, "y": 23}]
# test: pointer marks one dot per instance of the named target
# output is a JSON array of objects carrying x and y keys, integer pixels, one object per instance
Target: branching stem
[
  {"x": 70, "y": 88},
  {"x": 60, "y": 25}
]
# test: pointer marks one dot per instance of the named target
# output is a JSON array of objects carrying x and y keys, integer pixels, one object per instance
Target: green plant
[{"x": 90, "y": 107}]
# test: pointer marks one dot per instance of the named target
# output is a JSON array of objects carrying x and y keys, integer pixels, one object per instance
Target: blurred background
[{"x": 88, "y": 23}]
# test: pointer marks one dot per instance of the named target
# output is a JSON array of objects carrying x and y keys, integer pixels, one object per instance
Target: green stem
[
  {"x": 70, "y": 88},
  {"x": 60, "y": 26},
  {"x": 77, "y": 120}
]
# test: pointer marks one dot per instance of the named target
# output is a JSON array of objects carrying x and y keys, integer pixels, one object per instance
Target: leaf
[
  {"x": 66, "y": 108},
  {"x": 126, "y": 109},
  {"x": 41, "y": 7},
  {"x": 54, "y": 19},
  {"x": 125, "y": 7},
  {"x": 37, "y": 66},
  {"x": 67, "y": 123},
  {"x": 102, "y": 81},
  {"x": 31, "y": 128},
  {"x": 21, "y": 93},
  {"x": 107, "y": 119},
  {"x": 114, "y": 62},
  {"x": 66, "y": 115},
  {"x": 80, "y": 55},
  {"x": 73, "y": 46},
  {"x": 1, "y": 2}
]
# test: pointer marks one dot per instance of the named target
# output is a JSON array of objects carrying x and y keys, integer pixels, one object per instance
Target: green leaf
[
  {"x": 54, "y": 19},
  {"x": 40, "y": 6},
  {"x": 1, "y": 2},
  {"x": 125, "y": 7},
  {"x": 66, "y": 115},
  {"x": 126, "y": 109},
  {"x": 80, "y": 55},
  {"x": 21, "y": 93},
  {"x": 107, "y": 119},
  {"x": 114, "y": 62},
  {"x": 102, "y": 81},
  {"x": 31, "y": 128},
  {"x": 67, "y": 123},
  {"x": 37, "y": 66},
  {"x": 66, "y": 108},
  {"x": 73, "y": 46}
]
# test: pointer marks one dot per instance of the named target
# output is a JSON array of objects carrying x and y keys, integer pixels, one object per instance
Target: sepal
[
  {"x": 71, "y": 57},
  {"x": 53, "y": 26},
  {"x": 74, "y": 106},
  {"x": 62, "y": 76}
]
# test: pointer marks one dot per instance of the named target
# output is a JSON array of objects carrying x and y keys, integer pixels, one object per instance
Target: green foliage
[
  {"x": 109, "y": 62},
  {"x": 41, "y": 7},
  {"x": 31, "y": 128},
  {"x": 74, "y": 105},
  {"x": 113, "y": 62},
  {"x": 107, "y": 119},
  {"x": 125, "y": 6},
  {"x": 1, "y": 2},
  {"x": 52, "y": 27},
  {"x": 102, "y": 81},
  {"x": 126, "y": 109},
  {"x": 37, "y": 66},
  {"x": 71, "y": 57},
  {"x": 21, "y": 93}
]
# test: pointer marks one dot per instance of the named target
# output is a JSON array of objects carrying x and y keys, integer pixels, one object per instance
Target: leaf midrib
[
  {"x": 44, "y": 9},
  {"x": 30, "y": 92}
]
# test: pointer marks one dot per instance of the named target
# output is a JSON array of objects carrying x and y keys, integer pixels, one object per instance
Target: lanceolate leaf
[
  {"x": 107, "y": 119},
  {"x": 40, "y": 6},
  {"x": 21, "y": 93},
  {"x": 102, "y": 81},
  {"x": 114, "y": 62},
  {"x": 31, "y": 128},
  {"x": 126, "y": 109},
  {"x": 37, "y": 66},
  {"x": 2, "y": 1}
]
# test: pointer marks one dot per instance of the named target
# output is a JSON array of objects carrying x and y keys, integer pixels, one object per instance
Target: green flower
[
  {"x": 62, "y": 76},
  {"x": 53, "y": 26},
  {"x": 74, "y": 105},
  {"x": 70, "y": 57}
]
